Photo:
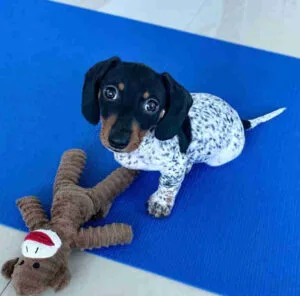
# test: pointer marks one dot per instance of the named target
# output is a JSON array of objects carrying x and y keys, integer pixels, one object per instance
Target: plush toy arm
[
  {"x": 105, "y": 191},
  {"x": 70, "y": 168},
  {"x": 109, "y": 235},
  {"x": 32, "y": 212}
]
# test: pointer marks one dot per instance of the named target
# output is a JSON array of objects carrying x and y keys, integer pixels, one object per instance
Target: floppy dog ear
[
  {"x": 90, "y": 105},
  {"x": 8, "y": 268},
  {"x": 178, "y": 104}
]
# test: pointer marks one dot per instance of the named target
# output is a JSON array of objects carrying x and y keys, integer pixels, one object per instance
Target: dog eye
[
  {"x": 36, "y": 265},
  {"x": 110, "y": 93},
  {"x": 151, "y": 106}
]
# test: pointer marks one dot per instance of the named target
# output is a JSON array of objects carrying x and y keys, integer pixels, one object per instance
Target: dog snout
[{"x": 119, "y": 139}]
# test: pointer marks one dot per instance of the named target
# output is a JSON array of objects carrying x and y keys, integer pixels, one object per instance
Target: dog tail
[{"x": 252, "y": 123}]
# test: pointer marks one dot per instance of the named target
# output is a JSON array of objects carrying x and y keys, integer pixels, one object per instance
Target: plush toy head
[
  {"x": 44, "y": 259},
  {"x": 46, "y": 249},
  {"x": 34, "y": 276}
]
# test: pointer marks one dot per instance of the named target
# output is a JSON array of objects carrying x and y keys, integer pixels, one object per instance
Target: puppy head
[{"x": 131, "y": 99}]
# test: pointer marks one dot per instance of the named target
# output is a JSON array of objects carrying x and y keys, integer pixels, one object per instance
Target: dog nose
[{"x": 119, "y": 140}]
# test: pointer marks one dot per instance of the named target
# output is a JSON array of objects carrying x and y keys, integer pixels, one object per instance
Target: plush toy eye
[
  {"x": 110, "y": 93},
  {"x": 36, "y": 265},
  {"x": 22, "y": 262},
  {"x": 151, "y": 106}
]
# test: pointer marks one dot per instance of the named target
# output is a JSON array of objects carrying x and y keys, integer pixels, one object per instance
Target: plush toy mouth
[{"x": 40, "y": 237}]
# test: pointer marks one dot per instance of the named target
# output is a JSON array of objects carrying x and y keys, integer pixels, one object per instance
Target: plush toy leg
[
  {"x": 103, "y": 212},
  {"x": 106, "y": 191},
  {"x": 109, "y": 235},
  {"x": 32, "y": 212},
  {"x": 70, "y": 168}
]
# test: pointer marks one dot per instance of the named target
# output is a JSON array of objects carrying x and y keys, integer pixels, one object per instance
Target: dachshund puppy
[{"x": 150, "y": 122}]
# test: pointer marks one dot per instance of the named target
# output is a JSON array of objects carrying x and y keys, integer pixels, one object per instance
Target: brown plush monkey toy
[{"x": 46, "y": 249}]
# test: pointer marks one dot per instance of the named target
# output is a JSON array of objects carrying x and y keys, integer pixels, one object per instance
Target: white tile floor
[{"x": 272, "y": 25}]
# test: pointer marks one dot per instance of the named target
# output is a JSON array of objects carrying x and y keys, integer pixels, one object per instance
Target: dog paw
[{"x": 159, "y": 208}]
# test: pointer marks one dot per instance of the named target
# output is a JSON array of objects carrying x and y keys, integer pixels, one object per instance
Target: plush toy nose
[{"x": 119, "y": 139}]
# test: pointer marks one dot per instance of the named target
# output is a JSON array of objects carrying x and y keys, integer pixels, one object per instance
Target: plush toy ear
[
  {"x": 90, "y": 104},
  {"x": 8, "y": 268},
  {"x": 61, "y": 279},
  {"x": 178, "y": 104}
]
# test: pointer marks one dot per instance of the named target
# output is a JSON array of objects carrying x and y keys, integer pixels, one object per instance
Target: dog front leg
[{"x": 162, "y": 201}]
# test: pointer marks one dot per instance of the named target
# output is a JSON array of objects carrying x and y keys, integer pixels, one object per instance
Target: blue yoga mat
[{"x": 234, "y": 229}]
